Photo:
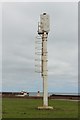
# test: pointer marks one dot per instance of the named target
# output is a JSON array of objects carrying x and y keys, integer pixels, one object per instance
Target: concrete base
[{"x": 45, "y": 108}]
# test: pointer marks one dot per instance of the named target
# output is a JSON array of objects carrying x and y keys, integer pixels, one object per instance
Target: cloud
[
  {"x": 0, "y": 47},
  {"x": 19, "y": 28}
]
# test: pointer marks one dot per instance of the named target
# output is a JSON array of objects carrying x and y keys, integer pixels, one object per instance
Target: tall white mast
[
  {"x": 43, "y": 30},
  {"x": 44, "y": 69}
]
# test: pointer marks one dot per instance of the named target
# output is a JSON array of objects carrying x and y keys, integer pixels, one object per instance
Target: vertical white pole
[
  {"x": 44, "y": 69},
  {"x": 45, "y": 95},
  {"x": 43, "y": 30}
]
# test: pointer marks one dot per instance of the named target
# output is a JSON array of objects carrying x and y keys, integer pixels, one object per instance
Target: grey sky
[
  {"x": 19, "y": 31},
  {"x": 0, "y": 47}
]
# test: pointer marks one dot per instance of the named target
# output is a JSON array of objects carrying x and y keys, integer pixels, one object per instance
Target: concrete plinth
[{"x": 45, "y": 108}]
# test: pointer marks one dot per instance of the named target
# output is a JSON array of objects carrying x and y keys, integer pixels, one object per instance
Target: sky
[
  {"x": 0, "y": 47},
  {"x": 19, "y": 28}
]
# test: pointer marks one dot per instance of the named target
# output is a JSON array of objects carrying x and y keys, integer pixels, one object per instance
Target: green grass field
[{"x": 27, "y": 108}]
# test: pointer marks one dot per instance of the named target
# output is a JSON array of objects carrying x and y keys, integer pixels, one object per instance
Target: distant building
[{"x": 38, "y": 93}]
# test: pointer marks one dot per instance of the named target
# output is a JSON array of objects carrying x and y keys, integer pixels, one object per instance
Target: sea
[{"x": 50, "y": 93}]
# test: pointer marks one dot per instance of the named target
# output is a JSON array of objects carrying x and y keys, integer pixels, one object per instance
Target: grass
[
  {"x": 0, "y": 107},
  {"x": 27, "y": 108}
]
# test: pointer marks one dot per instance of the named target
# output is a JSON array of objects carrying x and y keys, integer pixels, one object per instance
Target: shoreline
[{"x": 70, "y": 97}]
